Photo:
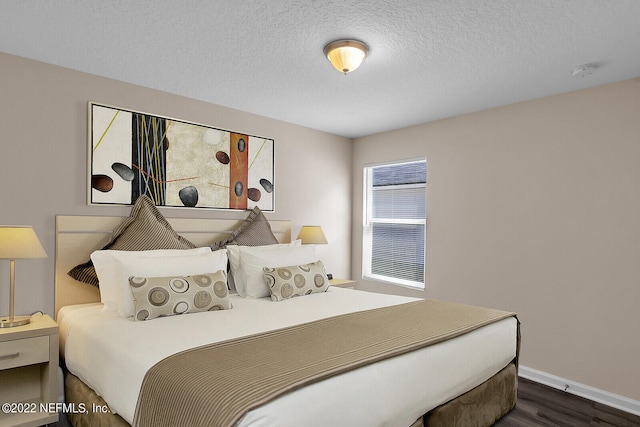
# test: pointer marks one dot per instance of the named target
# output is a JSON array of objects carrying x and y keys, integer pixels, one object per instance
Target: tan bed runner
[{"x": 217, "y": 384}]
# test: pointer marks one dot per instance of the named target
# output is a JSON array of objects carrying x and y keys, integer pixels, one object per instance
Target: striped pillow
[
  {"x": 145, "y": 229},
  {"x": 254, "y": 231}
]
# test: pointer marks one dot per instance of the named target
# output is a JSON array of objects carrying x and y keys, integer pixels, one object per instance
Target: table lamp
[
  {"x": 17, "y": 242},
  {"x": 312, "y": 234}
]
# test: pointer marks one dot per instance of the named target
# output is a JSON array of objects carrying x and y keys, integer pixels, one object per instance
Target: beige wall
[
  {"x": 535, "y": 208},
  {"x": 43, "y": 157}
]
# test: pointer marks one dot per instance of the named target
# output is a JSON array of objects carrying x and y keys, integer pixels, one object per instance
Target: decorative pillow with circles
[
  {"x": 168, "y": 296},
  {"x": 297, "y": 280}
]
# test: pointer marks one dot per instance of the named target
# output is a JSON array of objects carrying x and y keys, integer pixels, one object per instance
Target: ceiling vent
[{"x": 583, "y": 70}]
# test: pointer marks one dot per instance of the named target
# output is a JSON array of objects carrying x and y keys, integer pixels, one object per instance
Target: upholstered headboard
[{"x": 78, "y": 236}]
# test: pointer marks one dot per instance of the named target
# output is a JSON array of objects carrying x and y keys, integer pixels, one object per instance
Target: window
[{"x": 395, "y": 223}]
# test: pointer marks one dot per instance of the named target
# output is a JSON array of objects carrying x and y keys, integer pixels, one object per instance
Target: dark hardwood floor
[{"x": 539, "y": 405}]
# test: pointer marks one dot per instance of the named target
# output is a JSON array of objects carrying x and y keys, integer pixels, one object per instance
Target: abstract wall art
[{"x": 176, "y": 163}]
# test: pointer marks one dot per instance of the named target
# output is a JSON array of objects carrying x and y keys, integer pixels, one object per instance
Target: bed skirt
[
  {"x": 76, "y": 393},
  {"x": 481, "y": 406}
]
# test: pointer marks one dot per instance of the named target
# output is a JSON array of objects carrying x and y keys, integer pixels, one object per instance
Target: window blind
[{"x": 395, "y": 223}]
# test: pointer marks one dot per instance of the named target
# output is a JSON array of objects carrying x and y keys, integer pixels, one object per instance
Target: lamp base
[{"x": 5, "y": 322}]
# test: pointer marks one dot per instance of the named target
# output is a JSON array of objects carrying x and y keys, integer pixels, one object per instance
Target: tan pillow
[
  {"x": 297, "y": 280},
  {"x": 168, "y": 296},
  {"x": 145, "y": 229},
  {"x": 254, "y": 231}
]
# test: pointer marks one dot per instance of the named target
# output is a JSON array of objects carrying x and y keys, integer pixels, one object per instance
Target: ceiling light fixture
[{"x": 346, "y": 55}]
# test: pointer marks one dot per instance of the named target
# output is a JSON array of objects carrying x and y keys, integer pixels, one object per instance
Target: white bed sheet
[{"x": 111, "y": 355}]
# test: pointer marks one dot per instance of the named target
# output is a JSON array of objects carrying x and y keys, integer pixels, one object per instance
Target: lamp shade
[
  {"x": 346, "y": 55},
  {"x": 312, "y": 234},
  {"x": 19, "y": 241}
]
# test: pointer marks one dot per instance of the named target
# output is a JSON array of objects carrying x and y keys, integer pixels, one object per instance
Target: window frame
[{"x": 369, "y": 221}]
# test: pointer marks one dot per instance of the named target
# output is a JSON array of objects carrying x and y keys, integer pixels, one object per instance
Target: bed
[{"x": 112, "y": 363}]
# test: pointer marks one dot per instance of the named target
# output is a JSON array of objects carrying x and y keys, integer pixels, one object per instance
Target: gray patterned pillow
[
  {"x": 168, "y": 296},
  {"x": 297, "y": 280},
  {"x": 254, "y": 231},
  {"x": 145, "y": 229}
]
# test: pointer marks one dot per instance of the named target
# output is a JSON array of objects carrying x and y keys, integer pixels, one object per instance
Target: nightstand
[
  {"x": 28, "y": 373},
  {"x": 343, "y": 283}
]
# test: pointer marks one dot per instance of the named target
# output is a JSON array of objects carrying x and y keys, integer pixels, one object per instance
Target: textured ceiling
[{"x": 428, "y": 59}]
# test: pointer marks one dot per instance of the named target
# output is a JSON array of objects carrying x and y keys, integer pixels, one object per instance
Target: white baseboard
[{"x": 582, "y": 390}]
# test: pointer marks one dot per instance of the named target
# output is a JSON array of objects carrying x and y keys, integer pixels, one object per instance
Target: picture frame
[{"x": 175, "y": 162}]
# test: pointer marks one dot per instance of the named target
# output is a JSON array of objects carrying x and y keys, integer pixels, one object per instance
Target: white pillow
[
  {"x": 106, "y": 264},
  {"x": 253, "y": 260},
  {"x": 234, "y": 252},
  {"x": 115, "y": 267}
]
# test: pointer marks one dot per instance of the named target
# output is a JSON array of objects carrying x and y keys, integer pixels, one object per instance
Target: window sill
[{"x": 396, "y": 282}]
